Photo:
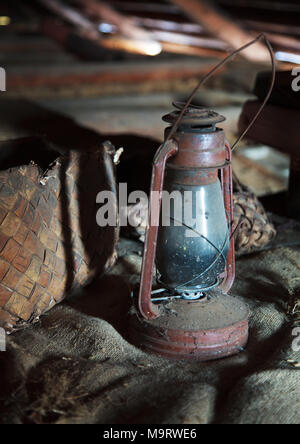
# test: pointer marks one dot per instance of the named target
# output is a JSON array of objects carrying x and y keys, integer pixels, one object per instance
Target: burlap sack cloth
[{"x": 76, "y": 365}]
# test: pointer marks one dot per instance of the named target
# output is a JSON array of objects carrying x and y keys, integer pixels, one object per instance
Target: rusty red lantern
[
  {"x": 191, "y": 315},
  {"x": 187, "y": 313}
]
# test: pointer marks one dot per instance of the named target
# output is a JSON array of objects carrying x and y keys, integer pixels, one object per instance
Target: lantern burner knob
[
  {"x": 192, "y": 296},
  {"x": 195, "y": 117}
]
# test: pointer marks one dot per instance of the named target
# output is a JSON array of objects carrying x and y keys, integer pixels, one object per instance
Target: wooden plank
[
  {"x": 284, "y": 42},
  {"x": 125, "y": 25},
  {"x": 132, "y": 39},
  {"x": 72, "y": 16},
  {"x": 169, "y": 25},
  {"x": 262, "y": 26},
  {"x": 80, "y": 75},
  {"x": 219, "y": 25},
  {"x": 174, "y": 48},
  {"x": 280, "y": 6},
  {"x": 149, "y": 7},
  {"x": 190, "y": 40}
]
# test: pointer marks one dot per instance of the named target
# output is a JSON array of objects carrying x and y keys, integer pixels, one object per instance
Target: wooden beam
[
  {"x": 289, "y": 43},
  {"x": 145, "y": 7},
  {"x": 125, "y": 25},
  {"x": 193, "y": 35},
  {"x": 190, "y": 40},
  {"x": 137, "y": 37},
  {"x": 169, "y": 25},
  {"x": 133, "y": 40},
  {"x": 83, "y": 75},
  {"x": 278, "y": 6},
  {"x": 174, "y": 48},
  {"x": 223, "y": 27},
  {"x": 260, "y": 25},
  {"x": 71, "y": 16},
  {"x": 134, "y": 46}
]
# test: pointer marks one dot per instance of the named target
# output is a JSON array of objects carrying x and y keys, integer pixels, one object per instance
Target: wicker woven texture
[
  {"x": 49, "y": 239},
  {"x": 254, "y": 228}
]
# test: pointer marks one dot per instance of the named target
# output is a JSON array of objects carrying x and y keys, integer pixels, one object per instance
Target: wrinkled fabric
[{"x": 77, "y": 366}]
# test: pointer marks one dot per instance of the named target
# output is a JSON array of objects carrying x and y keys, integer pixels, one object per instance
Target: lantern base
[{"x": 206, "y": 329}]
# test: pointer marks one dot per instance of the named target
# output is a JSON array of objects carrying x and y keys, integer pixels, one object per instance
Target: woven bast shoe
[
  {"x": 50, "y": 242},
  {"x": 255, "y": 230}
]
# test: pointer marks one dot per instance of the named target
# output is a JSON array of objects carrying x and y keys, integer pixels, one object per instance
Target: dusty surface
[{"x": 77, "y": 366}]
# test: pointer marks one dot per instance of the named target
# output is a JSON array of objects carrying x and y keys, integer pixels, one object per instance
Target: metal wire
[
  {"x": 182, "y": 112},
  {"x": 220, "y": 252},
  {"x": 215, "y": 69}
]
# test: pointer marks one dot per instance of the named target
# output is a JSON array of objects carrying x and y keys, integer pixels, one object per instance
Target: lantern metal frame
[{"x": 147, "y": 308}]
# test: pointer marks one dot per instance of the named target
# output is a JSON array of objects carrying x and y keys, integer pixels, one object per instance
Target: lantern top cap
[{"x": 194, "y": 116}]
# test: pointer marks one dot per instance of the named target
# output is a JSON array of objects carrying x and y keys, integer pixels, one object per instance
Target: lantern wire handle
[
  {"x": 216, "y": 68},
  {"x": 219, "y": 252},
  {"x": 229, "y": 237}
]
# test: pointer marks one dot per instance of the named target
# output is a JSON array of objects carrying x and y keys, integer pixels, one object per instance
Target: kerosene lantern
[{"x": 188, "y": 313}]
